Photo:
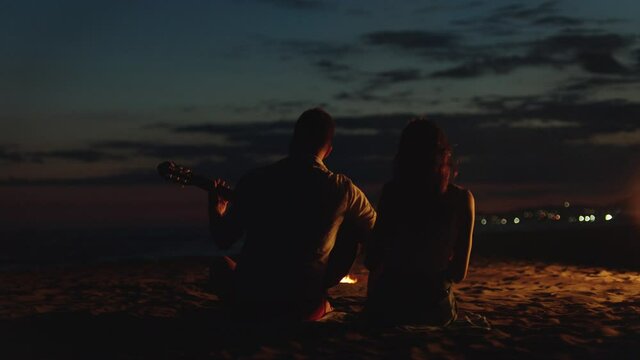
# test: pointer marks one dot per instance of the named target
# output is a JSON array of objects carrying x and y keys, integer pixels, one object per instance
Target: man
[{"x": 301, "y": 225}]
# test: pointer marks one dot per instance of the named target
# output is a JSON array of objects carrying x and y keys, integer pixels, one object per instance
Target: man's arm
[
  {"x": 224, "y": 224},
  {"x": 354, "y": 231},
  {"x": 360, "y": 214},
  {"x": 462, "y": 249}
]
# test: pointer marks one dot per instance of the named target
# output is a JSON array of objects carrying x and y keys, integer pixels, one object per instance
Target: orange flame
[{"x": 348, "y": 280}]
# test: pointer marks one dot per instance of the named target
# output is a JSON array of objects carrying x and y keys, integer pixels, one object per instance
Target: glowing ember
[{"x": 348, "y": 280}]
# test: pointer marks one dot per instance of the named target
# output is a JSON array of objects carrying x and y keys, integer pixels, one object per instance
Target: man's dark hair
[{"x": 314, "y": 129}]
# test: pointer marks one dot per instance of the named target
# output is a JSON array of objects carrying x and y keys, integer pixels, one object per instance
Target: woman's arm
[{"x": 462, "y": 247}]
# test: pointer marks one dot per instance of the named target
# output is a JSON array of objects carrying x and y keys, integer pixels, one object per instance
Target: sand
[{"x": 163, "y": 309}]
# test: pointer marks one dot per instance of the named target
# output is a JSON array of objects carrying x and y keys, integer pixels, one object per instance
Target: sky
[{"x": 540, "y": 98}]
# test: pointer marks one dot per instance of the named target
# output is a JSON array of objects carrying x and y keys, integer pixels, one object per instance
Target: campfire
[{"x": 349, "y": 280}]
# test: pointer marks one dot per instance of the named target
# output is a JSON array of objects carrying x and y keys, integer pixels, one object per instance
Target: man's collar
[{"x": 316, "y": 160}]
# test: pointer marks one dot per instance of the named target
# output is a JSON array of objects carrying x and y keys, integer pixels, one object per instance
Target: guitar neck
[
  {"x": 184, "y": 176},
  {"x": 202, "y": 182}
]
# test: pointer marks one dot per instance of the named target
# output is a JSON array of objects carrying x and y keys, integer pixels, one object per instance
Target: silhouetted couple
[{"x": 303, "y": 225}]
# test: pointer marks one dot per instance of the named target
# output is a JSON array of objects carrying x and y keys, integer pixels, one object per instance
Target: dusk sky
[{"x": 541, "y": 98}]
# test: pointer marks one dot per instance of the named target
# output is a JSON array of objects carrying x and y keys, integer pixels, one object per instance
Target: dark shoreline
[{"x": 615, "y": 247}]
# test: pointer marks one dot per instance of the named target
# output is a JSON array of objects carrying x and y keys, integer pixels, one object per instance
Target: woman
[{"x": 422, "y": 238}]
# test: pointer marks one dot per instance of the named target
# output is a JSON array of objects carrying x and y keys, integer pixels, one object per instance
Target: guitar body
[{"x": 184, "y": 176}]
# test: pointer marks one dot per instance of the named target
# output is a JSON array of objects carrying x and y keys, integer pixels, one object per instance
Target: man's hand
[{"x": 216, "y": 201}]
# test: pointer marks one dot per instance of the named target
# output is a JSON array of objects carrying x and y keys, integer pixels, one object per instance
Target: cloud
[
  {"x": 618, "y": 138},
  {"x": 441, "y": 6},
  {"x": 396, "y": 76},
  {"x": 337, "y": 71},
  {"x": 10, "y": 156},
  {"x": 589, "y": 84},
  {"x": 532, "y": 124},
  {"x": 560, "y": 21},
  {"x": 124, "y": 150},
  {"x": 81, "y": 155},
  {"x": 249, "y": 147},
  {"x": 542, "y": 124},
  {"x": 524, "y": 12},
  {"x": 577, "y": 43},
  {"x": 505, "y": 104},
  {"x": 595, "y": 53},
  {"x": 517, "y": 18},
  {"x": 600, "y": 63},
  {"x": 233, "y": 129},
  {"x": 149, "y": 176},
  {"x": 357, "y": 12},
  {"x": 271, "y": 108},
  {"x": 373, "y": 79},
  {"x": 289, "y": 107},
  {"x": 363, "y": 95},
  {"x": 371, "y": 82},
  {"x": 432, "y": 44},
  {"x": 298, "y": 4},
  {"x": 507, "y": 20},
  {"x": 317, "y": 50},
  {"x": 598, "y": 114},
  {"x": 511, "y": 17},
  {"x": 494, "y": 65},
  {"x": 514, "y": 151},
  {"x": 386, "y": 78},
  {"x": 164, "y": 151},
  {"x": 355, "y": 131},
  {"x": 585, "y": 145},
  {"x": 411, "y": 39}
]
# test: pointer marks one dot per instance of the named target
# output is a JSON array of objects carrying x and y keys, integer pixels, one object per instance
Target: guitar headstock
[{"x": 175, "y": 173}]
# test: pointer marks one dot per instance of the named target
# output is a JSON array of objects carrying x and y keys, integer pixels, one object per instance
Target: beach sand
[{"x": 163, "y": 309}]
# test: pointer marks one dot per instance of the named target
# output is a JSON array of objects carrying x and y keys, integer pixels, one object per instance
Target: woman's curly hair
[{"x": 424, "y": 158}]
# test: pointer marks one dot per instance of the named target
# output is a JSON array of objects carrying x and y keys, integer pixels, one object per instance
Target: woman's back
[
  {"x": 422, "y": 239},
  {"x": 416, "y": 234},
  {"x": 412, "y": 255}
]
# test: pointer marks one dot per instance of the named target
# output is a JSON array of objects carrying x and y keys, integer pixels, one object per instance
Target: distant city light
[
  {"x": 567, "y": 204},
  {"x": 548, "y": 216}
]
